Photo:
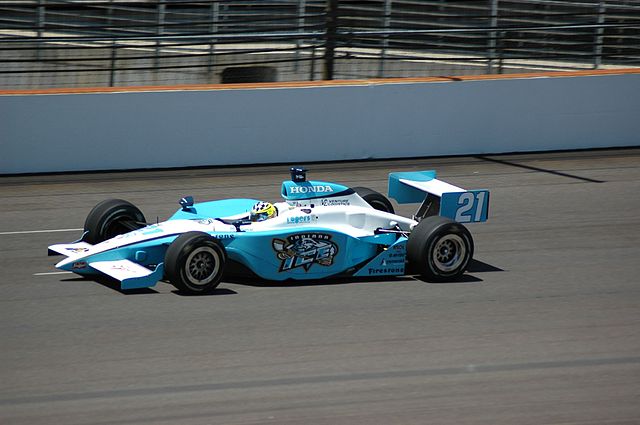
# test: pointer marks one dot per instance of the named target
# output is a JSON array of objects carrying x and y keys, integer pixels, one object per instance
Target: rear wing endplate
[{"x": 438, "y": 197}]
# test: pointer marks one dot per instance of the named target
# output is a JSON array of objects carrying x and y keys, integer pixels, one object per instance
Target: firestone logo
[{"x": 311, "y": 189}]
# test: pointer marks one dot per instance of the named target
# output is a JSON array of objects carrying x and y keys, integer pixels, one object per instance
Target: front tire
[
  {"x": 194, "y": 263},
  {"x": 111, "y": 218},
  {"x": 439, "y": 249},
  {"x": 376, "y": 199}
]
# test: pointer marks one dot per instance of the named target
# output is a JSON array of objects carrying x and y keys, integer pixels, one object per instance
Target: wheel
[
  {"x": 111, "y": 218},
  {"x": 194, "y": 262},
  {"x": 439, "y": 248},
  {"x": 376, "y": 199}
]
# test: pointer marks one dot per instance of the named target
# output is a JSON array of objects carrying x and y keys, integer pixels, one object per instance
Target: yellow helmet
[{"x": 263, "y": 211}]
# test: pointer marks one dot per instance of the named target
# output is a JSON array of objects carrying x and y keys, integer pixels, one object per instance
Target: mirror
[{"x": 186, "y": 203}]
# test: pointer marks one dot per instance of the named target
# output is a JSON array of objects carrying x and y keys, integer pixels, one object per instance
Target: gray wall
[{"x": 45, "y": 133}]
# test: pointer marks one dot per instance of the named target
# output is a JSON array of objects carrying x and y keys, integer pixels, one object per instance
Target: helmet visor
[{"x": 259, "y": 216}]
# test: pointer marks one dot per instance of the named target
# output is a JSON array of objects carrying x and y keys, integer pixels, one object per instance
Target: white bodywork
[{"x": 435, "y": 187}]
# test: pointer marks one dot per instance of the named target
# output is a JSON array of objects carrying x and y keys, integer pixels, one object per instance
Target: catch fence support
[
  {"x": 386, "y": 23},
  {"x": 159, "y": 30},
  {"x": 301, "y": 11},
  {"x": 330, "y": 39},
  {"x": 493, "y": 23},
  {"x": 114, "y": 52},
  {"x": 214, "y": 13},
  {"x": 40, "y": 22},
  {"x": 597, "y": 60}
]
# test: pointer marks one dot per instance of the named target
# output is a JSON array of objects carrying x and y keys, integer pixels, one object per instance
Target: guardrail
[
  {"x": 137, "y": 128},
  {"x": 54, "y": 43}
]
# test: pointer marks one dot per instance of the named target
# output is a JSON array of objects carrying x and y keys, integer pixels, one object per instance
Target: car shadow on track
[
  {"x": 115, "y": 286},
  {"x": 216, "y": 292},
  {"x": 249, "y": 279},
  {"x": 112, "y": 284},
  {"x": 475, "y": 266},
  {"x": 258, "y": 282}
]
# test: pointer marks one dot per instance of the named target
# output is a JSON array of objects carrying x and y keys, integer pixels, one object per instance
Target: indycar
[{"x": 321, "y": 230}]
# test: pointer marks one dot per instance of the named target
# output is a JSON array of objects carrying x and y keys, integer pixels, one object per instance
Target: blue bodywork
[
  {"x": 309, "y": 252},
  {"x": 297, "y": 253}
]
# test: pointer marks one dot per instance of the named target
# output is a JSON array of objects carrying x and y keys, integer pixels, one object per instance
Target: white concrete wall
[{"x": 48, "y": 133}]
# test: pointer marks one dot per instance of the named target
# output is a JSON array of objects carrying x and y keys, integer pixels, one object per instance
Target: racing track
[{"x": 544, "y": 330}]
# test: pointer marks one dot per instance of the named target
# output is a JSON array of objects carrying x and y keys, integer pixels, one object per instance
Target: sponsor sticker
[
  {"x": 224, "y": 236},
  {"x": 304, "y": 250},
  {"x": 301, "y": 219},
  {"x": 311, "y": 189},
  {"x": 326, "y": 202},
  {"x": 79, "y": 265},
  {"x": 385, "y": 270},
  {"x": 77, "y": 250}
]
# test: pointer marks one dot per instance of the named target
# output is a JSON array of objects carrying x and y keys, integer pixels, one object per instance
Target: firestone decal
[
  {"x": 395, "y": 264},
  {"x": 225, "y": 236},
  {"x": 385, "y": 270},
  {"x": 305, "y": 249}
]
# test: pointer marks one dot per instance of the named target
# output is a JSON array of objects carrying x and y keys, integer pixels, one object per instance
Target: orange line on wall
[{"x": 332, "y": 83}]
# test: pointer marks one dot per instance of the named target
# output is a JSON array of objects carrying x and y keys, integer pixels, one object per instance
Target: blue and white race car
[{"x": 321, "y": 230}]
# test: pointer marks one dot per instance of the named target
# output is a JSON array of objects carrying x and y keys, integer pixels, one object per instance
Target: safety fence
[{"x": 54, "y": 43}]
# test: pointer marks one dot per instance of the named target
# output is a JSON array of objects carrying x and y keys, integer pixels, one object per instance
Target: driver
[{"x": 263, "y": 211}]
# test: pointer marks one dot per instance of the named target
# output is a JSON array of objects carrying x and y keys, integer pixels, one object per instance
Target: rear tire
[
  {"x": 194, "y": 263},
  {"x": 376, "y": 199},
  {"x": 439, "y": 249},
  {"x": 111, "y": 218}
]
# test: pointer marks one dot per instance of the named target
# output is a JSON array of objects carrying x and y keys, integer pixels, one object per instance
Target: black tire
[
  {"x": 111, "y": 218},
  {"x": 194, "y": 263},
  {"x": 376, "y": 199},
  {"x": 439, "y": 249}
]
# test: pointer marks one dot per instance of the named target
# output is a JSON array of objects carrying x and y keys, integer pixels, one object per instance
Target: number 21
[{"x": 466, "y": 202}]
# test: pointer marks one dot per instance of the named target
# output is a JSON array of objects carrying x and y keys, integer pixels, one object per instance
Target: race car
[{"x": 320, "y": 230}]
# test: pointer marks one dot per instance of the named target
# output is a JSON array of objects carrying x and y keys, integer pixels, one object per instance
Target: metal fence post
[
  {"x": 112, "y": 62},
  {"x": 501, "y": 36},
  {"x": 493, "y": 23},
  {"x": 40, "y": 22},
  {"x": 159, "y": 30},
  {"x": 213, "y": 16},
  {"x": 386, "y": 23},
  {"x": 330, "y": 41},
  {"x": 112, "y": 71},
  {"x": 312, "y": 71},
  {"x": 597, "y": 60},
  {"x": 302, "y": 5}
]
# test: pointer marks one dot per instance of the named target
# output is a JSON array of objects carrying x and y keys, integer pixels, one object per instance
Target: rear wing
[{"x": 438, "y": 197}]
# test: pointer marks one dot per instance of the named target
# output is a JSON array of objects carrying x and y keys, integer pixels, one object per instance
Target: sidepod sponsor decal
[{"x": 304, "y": 250}]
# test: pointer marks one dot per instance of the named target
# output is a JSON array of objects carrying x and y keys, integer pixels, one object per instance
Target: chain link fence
[{"x": 53, "y": 43}]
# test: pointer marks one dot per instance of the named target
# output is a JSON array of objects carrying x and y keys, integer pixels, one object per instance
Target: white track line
[
  {"x": 24, "y": 232},
  {"x": 51, "y": 273}
]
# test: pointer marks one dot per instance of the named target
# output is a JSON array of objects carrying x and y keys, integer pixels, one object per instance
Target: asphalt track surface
[{"x": 545, "y": 328}]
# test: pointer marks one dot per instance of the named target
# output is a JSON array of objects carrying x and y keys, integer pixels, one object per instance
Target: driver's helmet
[{"x": 263, "y": 211}]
